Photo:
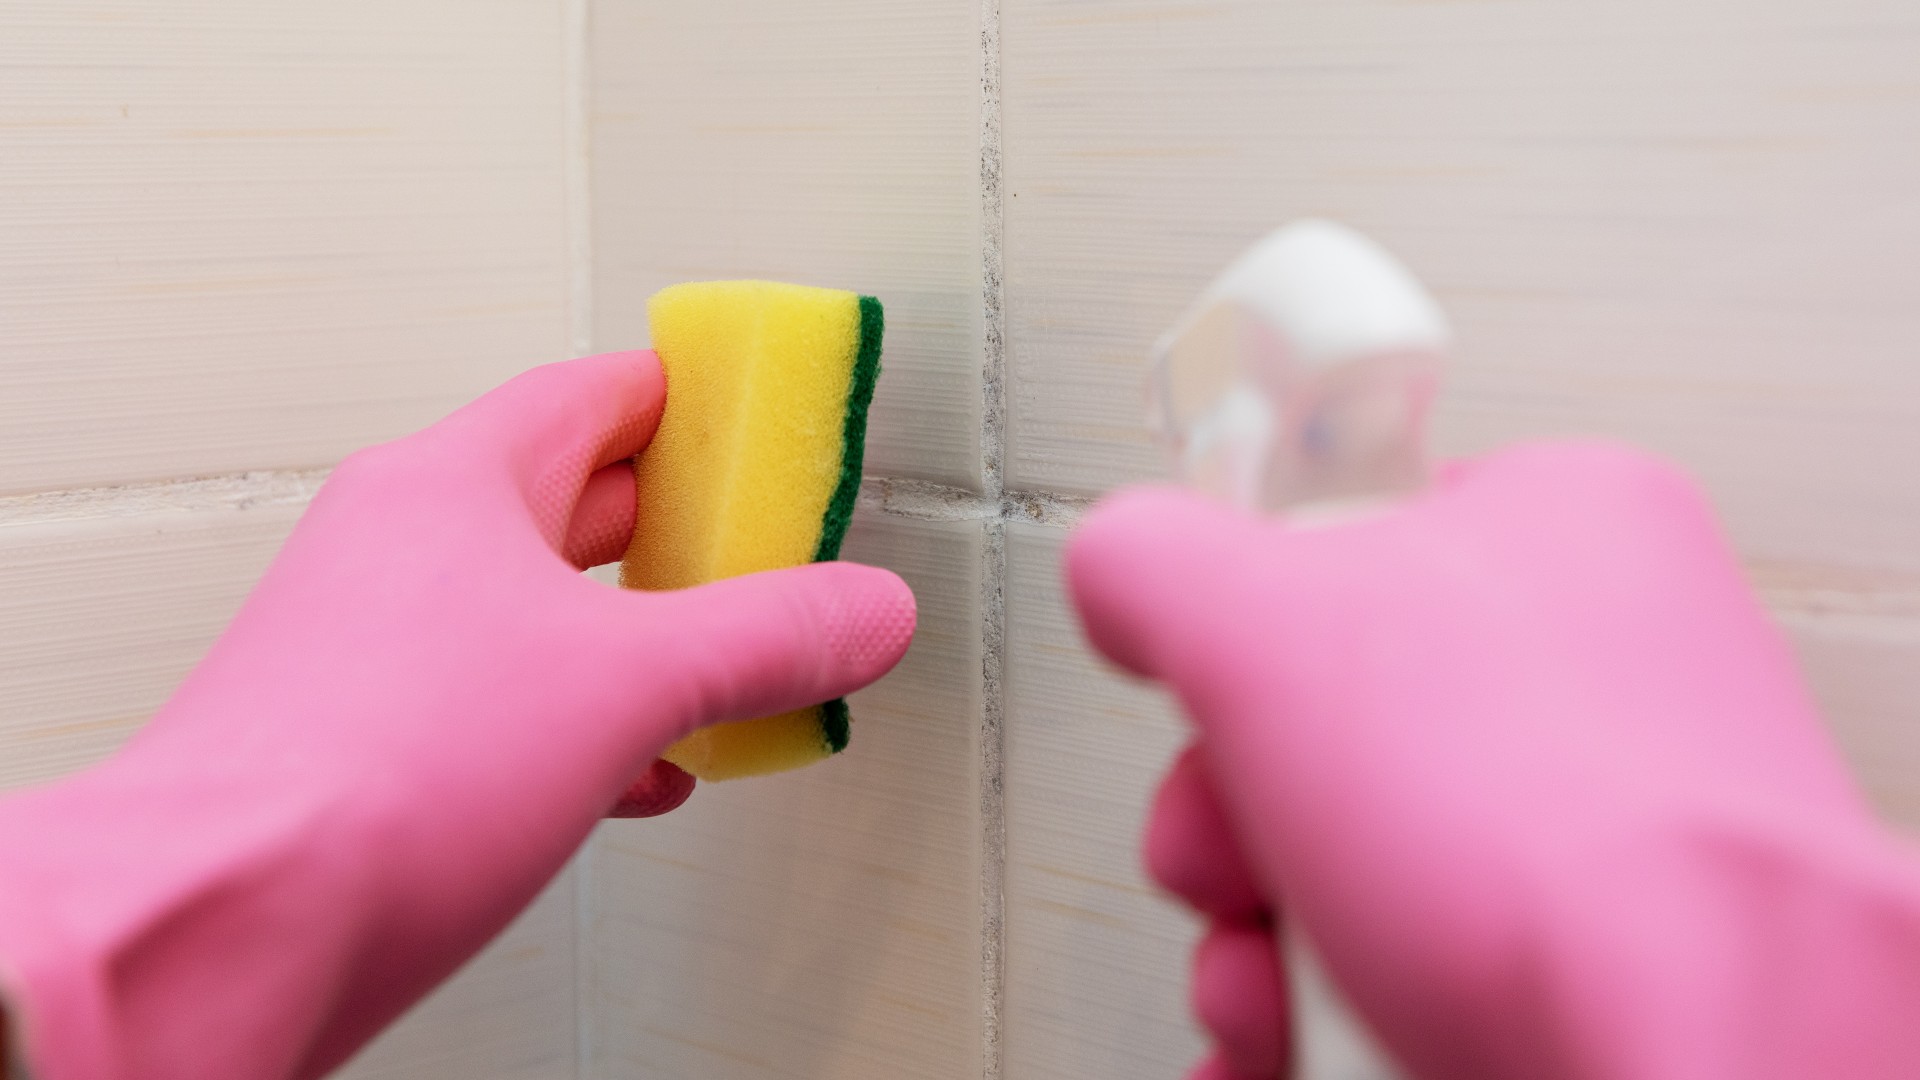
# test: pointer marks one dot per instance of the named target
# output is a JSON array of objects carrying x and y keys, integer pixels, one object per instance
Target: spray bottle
[{"x": 1300, "y": 383}]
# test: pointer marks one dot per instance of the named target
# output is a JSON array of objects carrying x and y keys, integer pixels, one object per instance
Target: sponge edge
[
  {"x": 755, "y": 466},
  {"x": 766, "y": 745}
]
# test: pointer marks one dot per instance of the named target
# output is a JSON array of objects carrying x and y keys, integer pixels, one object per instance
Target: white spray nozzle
[{"x": 1302, "y": 374}]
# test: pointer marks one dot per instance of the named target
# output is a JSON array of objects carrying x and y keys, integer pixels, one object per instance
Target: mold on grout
[
  {"x": 993, "y": 812},
  {"x": 893, "y": 496},
  {"x": 1043, "y": 508},
  {"x": 993, "y": 409},
  {"x": 925, "y": 501},
  {"x": 240, "y": 491},
  {"x": 992, "y": 232}
]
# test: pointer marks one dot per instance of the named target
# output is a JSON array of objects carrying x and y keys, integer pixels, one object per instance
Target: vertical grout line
[
  {"x": 583, "y": 1014},
  {"x": 993, "y": 820},
  {"x": 577, "y": 131},
  {"x": 577, "y": 171},
  {"x": 992, "y": 232},
  {"x": 993, "y": 812}
]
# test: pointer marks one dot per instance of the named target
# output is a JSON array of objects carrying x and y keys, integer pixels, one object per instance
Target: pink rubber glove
[
  {"x": 413, "y": 722},
  {"x": 1529, "y": 765}
]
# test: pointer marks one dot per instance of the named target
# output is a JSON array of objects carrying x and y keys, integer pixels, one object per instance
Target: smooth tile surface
[
  {"x": 508, "y": 1015},
  {"x": 247, "y": 236},
  {"x": 833, "y": 144},
  {"x": 1689, "y": 224},
  {"x": 1096, "y": 958},
  {"x": 821, "y": 923}
]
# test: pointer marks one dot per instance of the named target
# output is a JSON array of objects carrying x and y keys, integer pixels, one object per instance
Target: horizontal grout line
[
  {"x": 894, "y": 496},
  {"x": 1044, "y": 508},
  {"x": 922, "y": 500},
  {"x": 239, "y": 491}
]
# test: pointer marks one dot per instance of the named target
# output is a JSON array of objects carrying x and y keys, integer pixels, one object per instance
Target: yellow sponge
[{"x": 755, "y": 466}]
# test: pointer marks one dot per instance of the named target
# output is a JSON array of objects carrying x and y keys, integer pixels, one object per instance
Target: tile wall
[{"x": 239, "y": 240}]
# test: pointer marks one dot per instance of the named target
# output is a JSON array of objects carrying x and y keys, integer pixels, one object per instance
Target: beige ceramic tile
[
  {"x": 1096, "y": 960},
  {"x": 823, "y": 923},
  {"x": 508, "y": 1015},
  {"x": 832, "y": 144},
  {"x": 1688, "y": 223},
  {"x": 239, "y": 236}
]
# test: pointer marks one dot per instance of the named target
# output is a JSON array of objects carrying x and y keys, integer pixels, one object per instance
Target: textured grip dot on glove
[
  {"x": 866, "y": 627},
  {"x": 551, "y": 498}
]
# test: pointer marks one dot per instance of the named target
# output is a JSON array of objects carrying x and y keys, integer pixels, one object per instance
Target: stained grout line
[
  {"x": 239, "y": 491},
  {"x": 993, "y": 812},
  {"x": 993, "y": 507},
  {"x": 921, "y": 500},
  {"x": 993, "y": 353},
  {"x": 1043, "y": 508},
  {"x": 924, "y": 501},
  {"x": 901, "y": 497}
]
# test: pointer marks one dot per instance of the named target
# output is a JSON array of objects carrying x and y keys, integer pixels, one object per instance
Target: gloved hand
[
  {"x": 1531, "y": 768},
  {"x": 416, "y": 718}
]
